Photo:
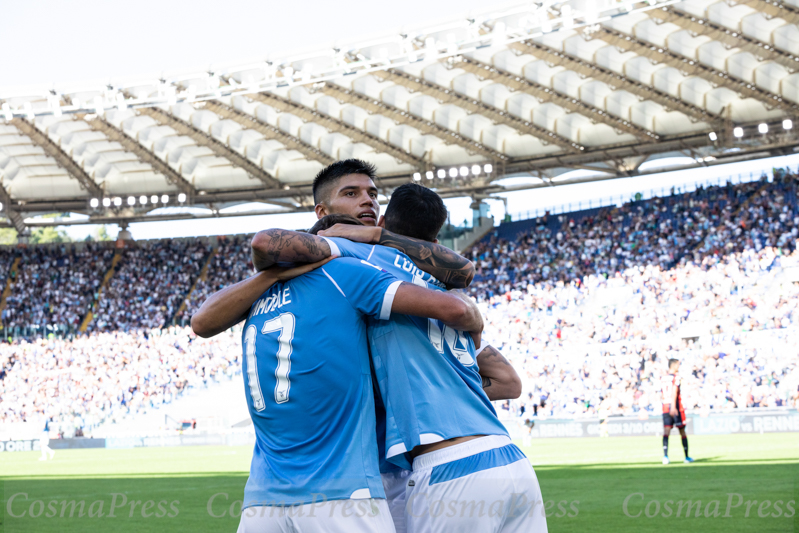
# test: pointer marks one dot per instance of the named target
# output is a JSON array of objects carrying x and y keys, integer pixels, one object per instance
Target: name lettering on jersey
[
  {"x": 271, "y": 302},
  {"x": 420, "y": 277}
]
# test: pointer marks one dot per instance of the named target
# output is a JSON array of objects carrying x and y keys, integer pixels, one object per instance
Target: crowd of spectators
[
  {"x": 53, "y": 287},
  {"x": 231, "y": 263},
  {"x": 105, "y": 376},
  {"x": 151, "y": 281},
  {"x": 602, "y": 346},
  {"x": 588, "y": 307}
]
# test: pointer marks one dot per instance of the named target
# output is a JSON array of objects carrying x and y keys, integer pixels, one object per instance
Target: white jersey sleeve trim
[
  {"x": 483, "y": 347},
  {"x": 388, "y": 300},
  {"x": 336, "y": 284},
  {"x": 334, "y": 249}
]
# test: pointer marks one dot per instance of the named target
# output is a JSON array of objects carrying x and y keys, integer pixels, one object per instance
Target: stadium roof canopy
[{"x": 537, "y": 90}]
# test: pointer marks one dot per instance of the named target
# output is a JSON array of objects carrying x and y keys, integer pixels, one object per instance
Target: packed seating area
[
  {"x": 588, "y": 306},
  {"x": 102, "y": 376},
  {"x": 231, "y": 263},
  {"x": 151, "y": 282}
]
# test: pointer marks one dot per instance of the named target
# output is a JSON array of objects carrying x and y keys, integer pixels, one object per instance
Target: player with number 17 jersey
[{"x": 309, "y": 387}]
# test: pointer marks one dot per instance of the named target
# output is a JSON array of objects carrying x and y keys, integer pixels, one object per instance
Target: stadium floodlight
[
  {"x": 738, "y": 131},
  {"x": 464, "y": 171},
  {"x": 417, "y": 176},
  {"x": 429, "y": 174},
  {"x": 476, "y": 170},
  {"x": 143, "y": 200},
  {"x": 453, "y": 172},
  {"x": 181, "y": 197},
  {"x": 131, "y": 200},
  {"x": 787, "y": 124},
  {"x": 762, "y": 128},
  {"x": 117, "y": 201},
  {"x": 94, "y": 202},
  {"x": 106, "y": 202},
  {"x": 154, "y": 199},
  {"x": 164, "y": 199},
  {"x": 713, "y": 136},
  {"x": 488, "y": 167},
  {"x": 442, "y": 173}
]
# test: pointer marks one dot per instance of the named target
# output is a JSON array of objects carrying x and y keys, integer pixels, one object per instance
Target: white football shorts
[
  {"x": 333, "y": 516},
  {"x": 485, "y": 485}
]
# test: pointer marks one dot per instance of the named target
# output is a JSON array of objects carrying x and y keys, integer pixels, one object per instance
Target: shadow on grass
[{"x": 723, "y": 498}]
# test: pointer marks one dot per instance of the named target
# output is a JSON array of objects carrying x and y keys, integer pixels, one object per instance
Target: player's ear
[
  {"x": 435, "y": 241},
  {"x": 382, "y": 222},
  {"x": 321, "y": 210}
]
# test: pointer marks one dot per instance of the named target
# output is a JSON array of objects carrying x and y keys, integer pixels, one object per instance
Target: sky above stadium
[{"x": 54, "y": 41}]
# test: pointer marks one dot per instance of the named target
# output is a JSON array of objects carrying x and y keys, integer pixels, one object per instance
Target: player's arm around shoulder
[
  {"x": 273, "y": 246},
  {"x": 229, "y": 306},
  {"x": 455, "y": 271},
  {"x": 453, "y": 309}
]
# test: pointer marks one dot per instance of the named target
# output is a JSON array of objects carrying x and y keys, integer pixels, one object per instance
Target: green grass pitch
[{"x": 587, "y": 482}]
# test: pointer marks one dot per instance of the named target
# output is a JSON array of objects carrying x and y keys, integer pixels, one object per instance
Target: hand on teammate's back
[
  {"x": 365, "y": 234},
  {"x": 287, "y": 273},
  {"x": 477, "y": 328}
]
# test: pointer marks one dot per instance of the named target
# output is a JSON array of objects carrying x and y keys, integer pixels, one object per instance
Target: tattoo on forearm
[
  {"x": 290, "y": 247},
  {"x": 489, "y": 352},
  {"x": 448, "y": 267},
  {"x": 486, "y": 382}
]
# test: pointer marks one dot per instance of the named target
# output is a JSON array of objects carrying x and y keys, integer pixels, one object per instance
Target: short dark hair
[
  {"x": 673, "y": 362},
  {"x": 327, "y": 222},
  {"x": 415, "y": 211},
  {"x": 328, "y": 176}
]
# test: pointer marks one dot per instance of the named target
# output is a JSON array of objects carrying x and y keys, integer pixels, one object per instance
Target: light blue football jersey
[
  {"x": 309, "y": 389},
  {"x": 427, "y": 373}
]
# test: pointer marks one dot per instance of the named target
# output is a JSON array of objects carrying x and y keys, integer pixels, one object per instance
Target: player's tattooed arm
[
  {"x": 454, "y": 271},
  {"x": 500, "y": 380},
  {"x": 273, "y": 246},
  {"x": 229, "y": 306}
]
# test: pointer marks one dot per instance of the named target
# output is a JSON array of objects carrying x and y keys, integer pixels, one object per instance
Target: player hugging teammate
[{"x": 367, "y": 383}]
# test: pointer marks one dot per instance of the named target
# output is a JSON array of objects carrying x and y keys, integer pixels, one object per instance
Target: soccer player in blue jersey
[
  {"x": 309, "y": 389},
  {"x": 465, "y": 455}
]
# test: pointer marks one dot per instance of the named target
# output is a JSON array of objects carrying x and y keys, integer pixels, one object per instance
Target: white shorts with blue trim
[
  {"x": 331, "y": 516},
  {"x": 485, "y": 485}
]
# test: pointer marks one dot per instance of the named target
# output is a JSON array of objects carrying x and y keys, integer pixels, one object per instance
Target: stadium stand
[{"x": 587, "y": 305}]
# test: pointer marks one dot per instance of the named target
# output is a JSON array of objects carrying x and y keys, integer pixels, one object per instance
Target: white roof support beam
[
  {"x": 613, "y": 79},
  {"x": 63, "y": 160},
  {"x": 269, "y": 132},
  {"x": 546, "y": 94},
  {"x": 13, "y": 215},
  {"x": 334, "y": 125},
  {"x": 144, "y": 155},
  {"x": 426, "y": 127},
  {"x": 691, "y": 67},
  {"x": 497, "y": 116},
  {"x": 725, "y": 36},
  {"x": 203, "y": 139}
]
